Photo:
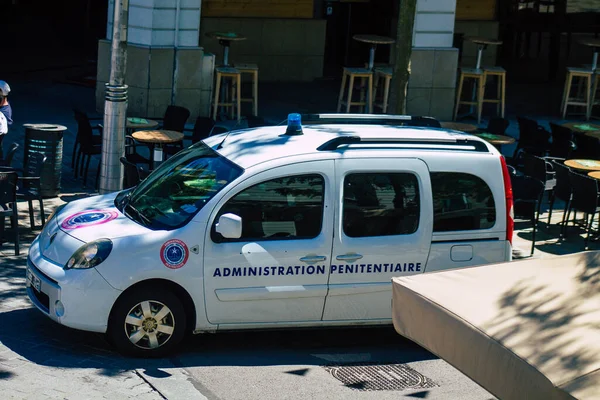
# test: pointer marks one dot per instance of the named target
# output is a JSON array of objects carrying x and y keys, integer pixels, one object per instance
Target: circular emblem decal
[
  {"x": 88, "y": 218},
  {"x": 174, "y": 254}
]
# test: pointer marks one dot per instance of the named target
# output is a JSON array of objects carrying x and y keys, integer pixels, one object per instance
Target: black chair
[
  {"x": 88, "y": 146},
  {"x": 427, "y": 122},
  {"x": 540, "y": 169},
  {"x": 202, "y": 129},
  {"x": 8, "y": 205},
  {"x": 133, "y": 174},
  {"x": 96, "y": 139},
  {"x": 562, "y": 191},
  {"x": 587, "y": 147},
  {"x": 10, "y": 154},
  {"x": 30, "y": 186},
  {"x": 174, "y": 120},
  {"x": 217, "y": 130},
  {"x": 131, "y": 153},
  {"x": 533, "y": 138},
  {"x": 562, "y": 141},
  {"x": 585, "y": 198},
  {"x": 527, "y": 196},
  {"x": 255, "y": 121},
  {"x": 497, "y": 126}
]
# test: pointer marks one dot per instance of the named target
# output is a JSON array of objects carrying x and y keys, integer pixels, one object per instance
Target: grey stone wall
[{"x": 160, "y": 76}]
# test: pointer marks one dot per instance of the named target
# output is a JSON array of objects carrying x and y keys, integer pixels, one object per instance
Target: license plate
[{"x": 34, "y": 281}]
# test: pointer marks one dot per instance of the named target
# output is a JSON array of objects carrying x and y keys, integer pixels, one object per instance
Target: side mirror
[{"x": 230, "y": 226}]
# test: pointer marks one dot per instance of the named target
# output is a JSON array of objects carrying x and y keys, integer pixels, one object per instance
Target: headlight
[{"x": 90, "y": 254}]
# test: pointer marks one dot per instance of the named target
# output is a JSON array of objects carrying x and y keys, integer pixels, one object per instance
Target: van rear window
[{"x": 461, "y": 202}]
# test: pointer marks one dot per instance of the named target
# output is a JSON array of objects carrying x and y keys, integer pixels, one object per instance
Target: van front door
[
  {"x": 383, "y": 229},
  {"x": 277, "y": 271}
]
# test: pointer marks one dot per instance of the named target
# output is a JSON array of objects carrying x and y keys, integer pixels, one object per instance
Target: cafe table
[
  {"x": 225, "y": 39},
  {"x": 157, "y": 138},
  {"x": 482, "y": 44},
  {"x": 583, "y": 165},
  {"x": 496, "y": 140},
  {"x": 582, "y": 127},
  {"x": 136, "y": 124},
  {"x": 373, "y": 41},
  {"x": 459, "y": 126}
]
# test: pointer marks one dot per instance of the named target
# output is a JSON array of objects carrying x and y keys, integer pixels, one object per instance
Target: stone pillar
[{"x": 165, "y": 65}]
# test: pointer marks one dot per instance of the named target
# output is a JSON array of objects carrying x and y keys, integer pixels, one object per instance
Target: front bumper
[{"x": 85, "y": 296}]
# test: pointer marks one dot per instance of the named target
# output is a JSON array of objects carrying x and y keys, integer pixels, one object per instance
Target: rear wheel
[{"x": 147, "y": 322}]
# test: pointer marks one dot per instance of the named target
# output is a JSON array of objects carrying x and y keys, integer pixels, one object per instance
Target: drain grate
[{"x": 369, "y": 377}]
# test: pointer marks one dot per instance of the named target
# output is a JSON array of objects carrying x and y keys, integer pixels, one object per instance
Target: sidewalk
[{"x": 39, "y": 358}]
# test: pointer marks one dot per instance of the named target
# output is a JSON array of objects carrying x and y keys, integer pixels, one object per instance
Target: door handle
[
  {"x": 313, "y": 259},
  {"x": 349, "y": 257}
]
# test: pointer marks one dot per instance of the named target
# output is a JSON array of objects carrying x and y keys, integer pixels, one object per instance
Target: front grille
[
  {"x": 42, "y": 299},
  {"x": 31, "y": 265}
]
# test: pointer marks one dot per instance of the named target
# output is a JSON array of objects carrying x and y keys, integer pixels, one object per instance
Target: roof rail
[
  {"x": 370, "y": 119},
  {"x": 475, "y": 145}
]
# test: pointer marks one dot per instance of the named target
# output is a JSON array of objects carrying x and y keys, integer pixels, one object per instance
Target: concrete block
[
  {"x": 161, "y": 68},
  {"x": 187, "y": 38},
  {"x": 140, "y": 16},
  {"x": 421, "y": 67},
  {"x": 436, "y": 5},
  {"x": 314, "y": 32},
  {"x": 103, "y": 62},
  {"x": 274, "y": 36},
  {"x": 158, "y": 100},
  {"x": 189, "y": 19},
  {"x": 139, "y": 36},
  {"x": 163, "y": 38},
  {"x": 418, "y": 101},
  {"x": 137, "y": 66},
  {"x": 164, "y": 18},
  {"x": 312, "y": 68},
  {"x": 208, "y": 69},
  {"x": 190, "y": 99},
  {"x": 142, "y": 3},
  {"x": 433, "y": 39},
  {"x": 442, "y": 103},
  {"x": 205, "y": 102},
  {"x": 444, "y": 68},
  {"x": 189, "y": 68},
  {"x": 137, "y": 102},
  {"x": 434, "y": 22}
]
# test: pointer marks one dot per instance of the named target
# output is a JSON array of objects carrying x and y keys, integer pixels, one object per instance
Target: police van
[{"x": 274, "y": 227}]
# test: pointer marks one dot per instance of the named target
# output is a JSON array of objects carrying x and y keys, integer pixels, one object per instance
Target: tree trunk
[{"x": 404, "y": 39}]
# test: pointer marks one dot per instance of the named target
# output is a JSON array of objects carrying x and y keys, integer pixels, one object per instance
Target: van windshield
[{"x": 171, "y": 196}]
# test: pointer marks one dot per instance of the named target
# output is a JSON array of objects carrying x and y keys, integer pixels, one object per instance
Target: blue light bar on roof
[{"x": 294, "y": 126}]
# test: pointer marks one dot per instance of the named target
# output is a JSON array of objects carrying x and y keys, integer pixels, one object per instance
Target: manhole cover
[{"x": 379, "y": 377}]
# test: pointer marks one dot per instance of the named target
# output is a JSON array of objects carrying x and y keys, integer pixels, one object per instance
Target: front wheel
[{"x": 147, "y": 322}]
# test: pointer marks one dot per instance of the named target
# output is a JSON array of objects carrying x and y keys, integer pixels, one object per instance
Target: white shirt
[{"x": 3, "y": 125}]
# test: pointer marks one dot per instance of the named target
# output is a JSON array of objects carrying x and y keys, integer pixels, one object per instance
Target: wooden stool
[
  {"x": 251, "y": 69},
  {"x": 352, "y": 73},
  {"x": 479, "y": 80},
  {"x": 236, "y": 86},
  {"x": 500, "y": 100},
  {"x": 595, "y": 101},
  {"x": 385, "y": 73},
  {"x": 582, "y": 74}
]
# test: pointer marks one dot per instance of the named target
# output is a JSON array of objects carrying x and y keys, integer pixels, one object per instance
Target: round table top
[
  {"x": 495, "y": 139},
  {"x": 459, "y": 126},
  {"x": 594, "y": 42},
  {"x": 374, "y": 39},
  {"x": 158, "y": 136},
  {"x": 594, "y": 174},
  {"x": 586, "y": 165},
  {"x": 230, "y": 36},
  {"x": 482, "y": 40},
  {"x": 582, "y": 127},
  {"x": 140, "y": 123}
]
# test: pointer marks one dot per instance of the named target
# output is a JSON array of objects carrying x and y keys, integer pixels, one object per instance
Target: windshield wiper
[{"x": 140, "y": 217}]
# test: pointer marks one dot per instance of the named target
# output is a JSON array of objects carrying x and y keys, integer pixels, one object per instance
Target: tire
[{"x": 134, "y": 330}]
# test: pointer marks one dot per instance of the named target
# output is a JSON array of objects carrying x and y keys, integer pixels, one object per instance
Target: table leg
[
  {"x": 157, "y": 156},
  {"x": 371, "y": 66},
  {"x": 595, "y": 60}
]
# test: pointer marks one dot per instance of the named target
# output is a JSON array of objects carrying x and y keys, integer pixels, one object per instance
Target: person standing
[{"x": 6, "y": 111}]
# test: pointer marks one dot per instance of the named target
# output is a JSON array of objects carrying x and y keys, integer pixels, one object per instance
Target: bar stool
[
  {"x": 385, "y": 73},
  {"x": 252, "y": 70},
  {"x": 500, "y": 73},
  {"x": 224, "y": 73},
  {"x": 351, "y": 74},
  {"x": 479, "y": 81},
  {"x": 583, "y": 75}
]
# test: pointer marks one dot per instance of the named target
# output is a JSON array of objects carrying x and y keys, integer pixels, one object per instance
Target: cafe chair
[
  {"x": 533, "y": 138},
  {"x": 131, "y": 153},
  {"x": 586, "y": 147},
  {"x": 562, "y": 191},
  {"x": 527, "y": 196},
  {"x": 8, "y": 205},
  {"x": 497, "y": 126},
  {"x": 133, "y": 174},
  {"x": 562, "y": 141},
  {"x": 10, "y": 154},
  {"x": 585, "y": 199},
  {"x": 217, "y": 130},
  {"x": 84, "y": 122},
  {"x": 202, "y": 129},
  {"x": 30, "y": 186},
  {"x": 256, "y": 121},
  {"x": 542, "y": 170},
  {"x": 174, "y": 120},
  {"x": 89, "y": 146}
]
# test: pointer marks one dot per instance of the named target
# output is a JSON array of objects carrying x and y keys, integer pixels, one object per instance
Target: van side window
[
  {"x": 283, "y": 208},
  {"x": 380, "y": 204},
  {"x": 461, "y": 202}
]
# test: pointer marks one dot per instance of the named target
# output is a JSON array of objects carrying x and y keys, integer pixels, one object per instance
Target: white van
[{"x": 273, "y": 227}]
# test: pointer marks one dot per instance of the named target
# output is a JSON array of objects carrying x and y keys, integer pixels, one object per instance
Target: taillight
[{"x": 510, "y": 222}]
